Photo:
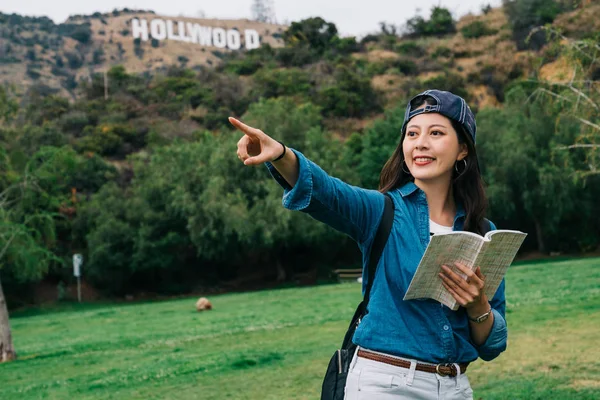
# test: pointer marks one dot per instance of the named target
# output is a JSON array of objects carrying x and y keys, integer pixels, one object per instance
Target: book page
[
  {"x": 496, "y": 256},
  {"x": 443, "y": 249}
]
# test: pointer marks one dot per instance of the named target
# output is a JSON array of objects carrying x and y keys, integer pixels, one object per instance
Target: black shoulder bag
[{"x": 337, "y": 370}]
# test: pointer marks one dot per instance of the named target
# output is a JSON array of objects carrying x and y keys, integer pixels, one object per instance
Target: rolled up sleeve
[{"x": 497, "y": 340}]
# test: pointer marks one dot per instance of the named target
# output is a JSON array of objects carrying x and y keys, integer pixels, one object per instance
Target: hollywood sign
[{"x": 190, "y": 32}]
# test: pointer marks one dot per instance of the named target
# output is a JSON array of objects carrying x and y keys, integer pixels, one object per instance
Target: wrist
[
  {"x": 282, "y": 154},
  {"x": 477, "y": 309},
  {"x": 481, "y": 318}
]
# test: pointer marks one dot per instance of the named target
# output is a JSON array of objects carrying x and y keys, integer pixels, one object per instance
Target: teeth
[{"x": 423, "y": 159}]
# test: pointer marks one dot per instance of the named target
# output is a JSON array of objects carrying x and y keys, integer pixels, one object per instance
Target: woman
[{"x": 406, "y": 349}]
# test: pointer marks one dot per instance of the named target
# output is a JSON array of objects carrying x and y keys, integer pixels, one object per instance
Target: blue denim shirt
[{"x": 419, "y": 329}]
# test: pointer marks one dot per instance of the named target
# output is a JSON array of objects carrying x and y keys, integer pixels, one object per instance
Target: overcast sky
[{"x": 352, "y": 17}]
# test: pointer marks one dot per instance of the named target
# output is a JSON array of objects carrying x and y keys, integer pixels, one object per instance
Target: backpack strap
[{"x": 381, "y": 237}]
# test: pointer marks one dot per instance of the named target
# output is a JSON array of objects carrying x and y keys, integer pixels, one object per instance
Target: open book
[{"x": 493, "y": 253}]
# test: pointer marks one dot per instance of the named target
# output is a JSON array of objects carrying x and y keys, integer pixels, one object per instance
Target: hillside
[{"x": 37, "y": 51}]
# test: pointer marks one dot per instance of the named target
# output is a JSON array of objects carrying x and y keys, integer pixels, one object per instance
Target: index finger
[
  {"x": 464, "y": 269},
  {"x": 247, "y": 129}
]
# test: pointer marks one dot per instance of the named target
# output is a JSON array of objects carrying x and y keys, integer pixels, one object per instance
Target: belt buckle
[{"x": 449, "y": 365}]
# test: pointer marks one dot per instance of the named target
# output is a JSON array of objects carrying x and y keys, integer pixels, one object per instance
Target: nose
[{"x": 422, "y": 142}]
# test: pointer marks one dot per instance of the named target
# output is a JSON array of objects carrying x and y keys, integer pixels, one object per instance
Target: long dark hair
[{"x": 467, "y": 185}]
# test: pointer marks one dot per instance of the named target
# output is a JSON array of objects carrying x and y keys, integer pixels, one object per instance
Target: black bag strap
[{"x": 381, "y": 237}]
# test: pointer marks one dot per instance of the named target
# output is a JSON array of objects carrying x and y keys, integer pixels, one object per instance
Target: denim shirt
[{"x": 421, "y": 329}]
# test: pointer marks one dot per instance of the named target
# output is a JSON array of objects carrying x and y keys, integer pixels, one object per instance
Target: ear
[{"x": 463, "y": 152}]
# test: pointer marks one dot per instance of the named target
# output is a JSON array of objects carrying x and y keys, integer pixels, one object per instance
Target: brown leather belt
[{"x": 441, "y": 369}]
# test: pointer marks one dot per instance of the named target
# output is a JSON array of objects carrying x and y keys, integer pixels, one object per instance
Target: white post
[{"x": 77, "y": 262}]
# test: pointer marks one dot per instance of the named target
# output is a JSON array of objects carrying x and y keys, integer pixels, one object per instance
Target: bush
[
  {"x": 410, "y": 48},
  {"x": 74, "y": 122},
  {"x": 282, "y": 82},
  {"x": 344, "y": 46},
  {"x": 477, "y": 29},
  {"x": 102, "y": 140},
  {"x": 243, "y": 66},
  {"x": 80, "y": 32},
  {"x": 442, "y": 52},
  {"x": 98, "y": 56},
  {"x": 525, "y": 15},
  {"x": 74, "y": 60},
  {"x": 440, "y": 23},
  {"x": 407, "y": 67},
  {"x": 352, "y": 96},
  {"x": 316, "y": 33},
  {"x": 32, "y": 72},
  {"x": 450, "y": 82},
  {"x": 295, "y": 57},
  {"x": 69, "y": 82}
]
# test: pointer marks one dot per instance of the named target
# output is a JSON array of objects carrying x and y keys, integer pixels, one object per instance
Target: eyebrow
[{"x": 431, "y": 126}]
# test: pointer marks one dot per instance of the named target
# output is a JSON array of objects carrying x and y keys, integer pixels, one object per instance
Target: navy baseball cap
[{"x": 447, "y": 104}]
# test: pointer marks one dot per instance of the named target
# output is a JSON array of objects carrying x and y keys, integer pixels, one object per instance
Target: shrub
[
  {"x": 410, "y": 48},
  {"x": 98, "y": 56},
  {"x": 407, "y": 67},
  {"x": 525, "y": 15},
  {"x": 74, "y": 122},
  {"x": 102, "y": 140},
  {"x": 440, "y": 23},
  {"x": 80, "y": 32},
  {"x": 32, "y": 72},
  {"x": 282, "y": 82},
  {"x": 352, "y": 96},
  {"x": 448, "y": 81},
  {"x": 477, "y": 29},
  {"x": 74, "y": 60},
  {"x": 244, "y": 66},
  {"x": 442, "y": 52}
]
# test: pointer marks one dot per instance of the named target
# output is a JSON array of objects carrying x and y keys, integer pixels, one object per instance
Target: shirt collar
[{"x": 409, "y": 188}]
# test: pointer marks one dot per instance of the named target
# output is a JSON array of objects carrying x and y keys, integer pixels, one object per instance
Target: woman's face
[{"x": 431, "y": 147}]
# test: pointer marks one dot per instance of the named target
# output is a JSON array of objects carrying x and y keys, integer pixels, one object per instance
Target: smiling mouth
[{"x": 423, "y": 160}]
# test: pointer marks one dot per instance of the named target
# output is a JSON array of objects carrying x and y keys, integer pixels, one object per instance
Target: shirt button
[{"x": 446, "y": 327}]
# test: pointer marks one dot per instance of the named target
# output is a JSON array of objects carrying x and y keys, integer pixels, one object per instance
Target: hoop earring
[
  {"x": 403, "y": 170},
  {"x": 456, "y": 166}
]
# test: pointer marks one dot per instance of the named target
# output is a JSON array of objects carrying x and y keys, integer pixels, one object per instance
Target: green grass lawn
[{"x": 276, "y": 344}]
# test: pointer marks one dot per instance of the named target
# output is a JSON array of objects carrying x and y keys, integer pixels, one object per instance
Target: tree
[
  {"x": 30, "y": 201},
  {"x": 576, "y": 98},
  {"x": 526, "y": 15},
  {"x": 22, "y": 249},
  {"x": 263, "y": 11},
  {"x": 440, "y": 23},
  {"x": 529, "y": 184},
  {"x": 8, "y": 106},
  {"x": 315, "y": 33},
  {"x": 194, "y": 215}
]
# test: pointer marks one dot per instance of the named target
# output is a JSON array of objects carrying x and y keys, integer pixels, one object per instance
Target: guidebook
[{"x": 493, "y": 252}]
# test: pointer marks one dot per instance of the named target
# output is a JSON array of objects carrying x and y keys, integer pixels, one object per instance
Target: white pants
[{"x": 374, "y": 380}]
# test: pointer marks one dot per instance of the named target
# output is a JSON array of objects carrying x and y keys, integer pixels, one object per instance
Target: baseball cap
[{"x": 447, "y": 104}]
